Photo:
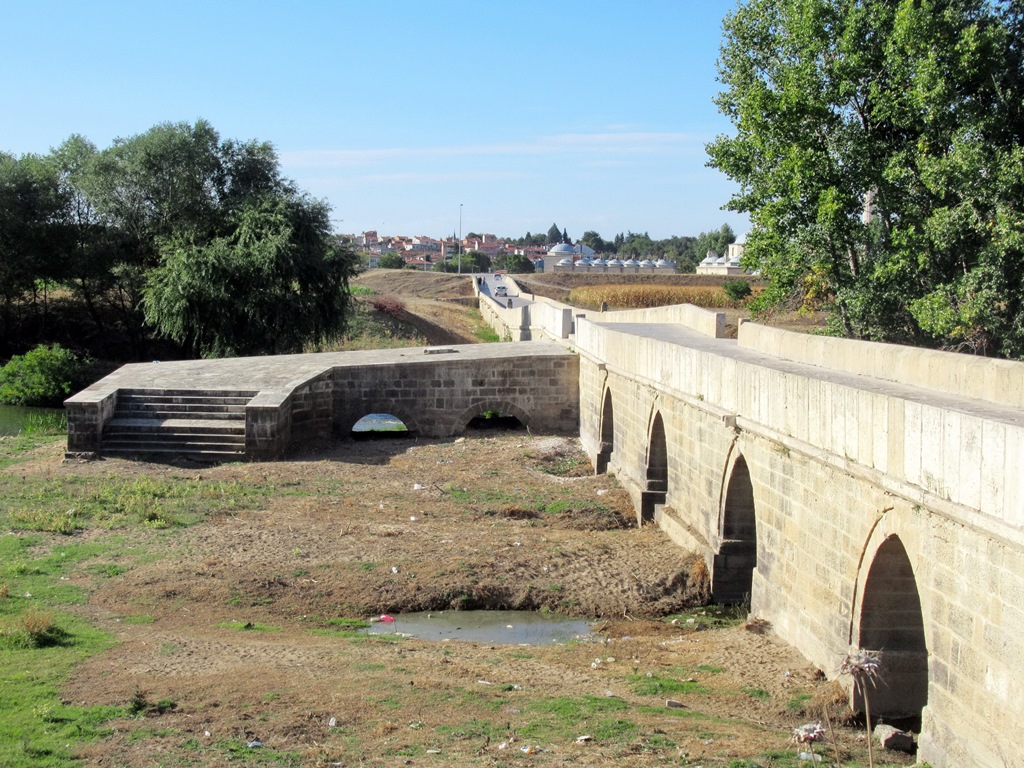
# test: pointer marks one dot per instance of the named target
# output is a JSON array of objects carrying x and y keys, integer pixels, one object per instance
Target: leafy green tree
[
  {"x": 28, "y": 203},
  {"x": 391, "y": 260},
  {"x": 716, "y": 240},
  {"x": 565, "y": 237},
  {"x": 592, "y": 239},
  {"x": 878, "y": 151},
  {"x": 516, "y": 263},
  {"x": 476, "y": 261},
  {"x": 273, "y": 285},
  {"x": 554, "y": 235},
  {"x": 44, "y": 376}
]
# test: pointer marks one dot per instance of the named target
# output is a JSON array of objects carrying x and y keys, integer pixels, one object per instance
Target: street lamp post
[{"x": 458, "y": 247}]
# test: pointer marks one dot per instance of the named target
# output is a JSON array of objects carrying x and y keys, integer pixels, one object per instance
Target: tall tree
[
  {"x": 516, "y": 263},
  {"x": 592, "y": 239},
  {"x": 276, "y": 283},
  {"x": 878, "y": 176},
  {"x": 391, "y": 260},
  {"x": 554, "y": 235}
]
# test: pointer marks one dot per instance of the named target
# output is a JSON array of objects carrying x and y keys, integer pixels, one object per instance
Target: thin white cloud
[{"x": 613, "y": 143}]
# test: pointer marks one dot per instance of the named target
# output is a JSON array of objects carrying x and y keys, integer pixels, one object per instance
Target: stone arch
[
  {"x": 656, "y": 474},
  {"x": 394, "y": 409},
  {"x": 504, "y": 407},
  {"x": 732, "y": 572},
  {"x": 607, "y": 445},
  {"x": 891, "y": 622}
]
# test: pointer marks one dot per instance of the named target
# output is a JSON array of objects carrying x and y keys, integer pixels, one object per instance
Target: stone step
[
  {"x": 181, "y": 445},
  {"x": 180, "y": 400},
  {"x": 204, "y": 455},
  {"x": 161, "y": 410},
  {"x": 185, "y": 426},
  {"x": 117, "y": 437},
  {"x": 201, "y": 394}
]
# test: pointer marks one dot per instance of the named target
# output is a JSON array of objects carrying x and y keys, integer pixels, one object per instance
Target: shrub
[
  {"x": 43, "y": 376},
  {"x": 388, "y": 305},
  {"x": 737, "y": 290}
]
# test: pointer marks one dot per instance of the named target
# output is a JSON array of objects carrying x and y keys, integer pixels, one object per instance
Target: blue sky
[{"x": 592, "y": 114}]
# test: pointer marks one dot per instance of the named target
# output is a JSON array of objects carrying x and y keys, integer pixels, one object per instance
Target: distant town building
[
  {"x": 729, "y": 264},
  {"x": 581, "y": 258}
]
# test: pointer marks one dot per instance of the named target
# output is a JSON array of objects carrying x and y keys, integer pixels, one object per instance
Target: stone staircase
[{"x": 202, "y": 425}]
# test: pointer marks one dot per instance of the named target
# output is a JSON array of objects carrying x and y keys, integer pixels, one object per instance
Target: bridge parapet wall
[
  {"x": 840, "y": 466},
  {"x": 983, "y": 378},
  {"x": 698, "y": 319},
  {"x": 962, "y": 452}
]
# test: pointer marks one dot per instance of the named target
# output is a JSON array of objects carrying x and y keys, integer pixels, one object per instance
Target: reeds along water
[{"x": 20, "y": 420}]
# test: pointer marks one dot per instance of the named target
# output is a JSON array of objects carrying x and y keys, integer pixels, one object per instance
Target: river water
[
  {"x": 13, "y": 418},
  {"x": 498, "y": 627}
]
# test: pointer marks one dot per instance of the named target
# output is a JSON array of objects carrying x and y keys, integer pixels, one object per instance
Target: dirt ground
[{"x": 231, "y": 630}]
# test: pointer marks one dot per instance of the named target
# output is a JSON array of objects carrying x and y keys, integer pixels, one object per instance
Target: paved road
[{"x": 490, "y": 285}]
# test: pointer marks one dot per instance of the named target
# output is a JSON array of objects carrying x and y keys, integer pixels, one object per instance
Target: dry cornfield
[{"x": 643, "y": 296}]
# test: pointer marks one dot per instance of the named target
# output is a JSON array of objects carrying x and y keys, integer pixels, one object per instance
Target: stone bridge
[
  {"x": 273, "y": 403},
  {"x": 858, "y": 495}
]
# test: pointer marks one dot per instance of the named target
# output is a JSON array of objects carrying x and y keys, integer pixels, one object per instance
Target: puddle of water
[{"x": 496, "y": 627}]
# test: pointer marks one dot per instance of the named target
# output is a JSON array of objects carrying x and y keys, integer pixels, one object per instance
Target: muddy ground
[{"x": 234, "y": 629}]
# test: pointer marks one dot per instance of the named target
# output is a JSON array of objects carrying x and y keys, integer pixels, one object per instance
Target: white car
[{"x": 501, "y": 291}]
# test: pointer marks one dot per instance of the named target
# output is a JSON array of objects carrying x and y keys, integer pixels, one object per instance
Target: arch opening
[
  {"x": 733, "y": 572},
  {"x": 380, "y": 426},
  {"x": 891, "y": 623},
  {"x": 491, "y": 415},
  {"x": 607, "y": 446},
  {"x": 657, "y": 471},
  {"x": 495, "y": 420}
]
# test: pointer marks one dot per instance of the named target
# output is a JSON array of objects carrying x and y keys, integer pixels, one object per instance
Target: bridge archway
[
  {"x": 379, "y": 426},
  {"x": 607, "y": 447},
  {"x": 891, "y": 622},
  {"x": 359, "y": 416},
  {"x": 656, "y": 485},
  {"x": 733, "y": 571},
  {"x": 510, "y": 414}
]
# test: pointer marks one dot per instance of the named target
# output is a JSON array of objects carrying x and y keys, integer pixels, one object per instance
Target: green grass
[
  {"x": 796, "y": 704},
  {"x": 64, "y": 505},
  {"x": 249, "y": 626},
  {"x": 658, "y": 685},
  {"x": 713, "y": 616},
  {"x": 566, "y": 717},
  {"x": 759, "y": 694},
  {"x": 18, "y": 448},
  {"x": 39, "y": 646}
]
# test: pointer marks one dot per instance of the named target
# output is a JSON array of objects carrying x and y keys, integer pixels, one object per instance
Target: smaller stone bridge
[{"x": 268, "y": 404}]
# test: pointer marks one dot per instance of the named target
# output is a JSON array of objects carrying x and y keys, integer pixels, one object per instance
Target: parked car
[{"x": 501, "y": 290}]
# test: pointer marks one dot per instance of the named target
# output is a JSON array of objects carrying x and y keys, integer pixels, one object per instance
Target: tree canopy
[
  {"x": 878, "y": 151},
  {"x": 176, "y": 233},
  {"x": 391, "y": 260},
  {"x": 515, "y": 263}
]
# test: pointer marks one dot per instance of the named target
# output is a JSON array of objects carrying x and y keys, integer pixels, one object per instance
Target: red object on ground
[{"x": 390, "y": 619}]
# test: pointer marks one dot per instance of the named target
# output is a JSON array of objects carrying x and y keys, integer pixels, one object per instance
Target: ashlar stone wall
[{"x": 857, "y": 512}]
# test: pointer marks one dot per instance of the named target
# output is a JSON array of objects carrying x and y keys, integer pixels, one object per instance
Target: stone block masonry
[
  {"x": 858, "y": 495},
  {"x": 301, "y": 398}
]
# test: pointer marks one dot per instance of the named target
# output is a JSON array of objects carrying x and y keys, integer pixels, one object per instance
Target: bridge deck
[
  {"x": 284, "y": 371},
  {"x": 677, "y": 334}
]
